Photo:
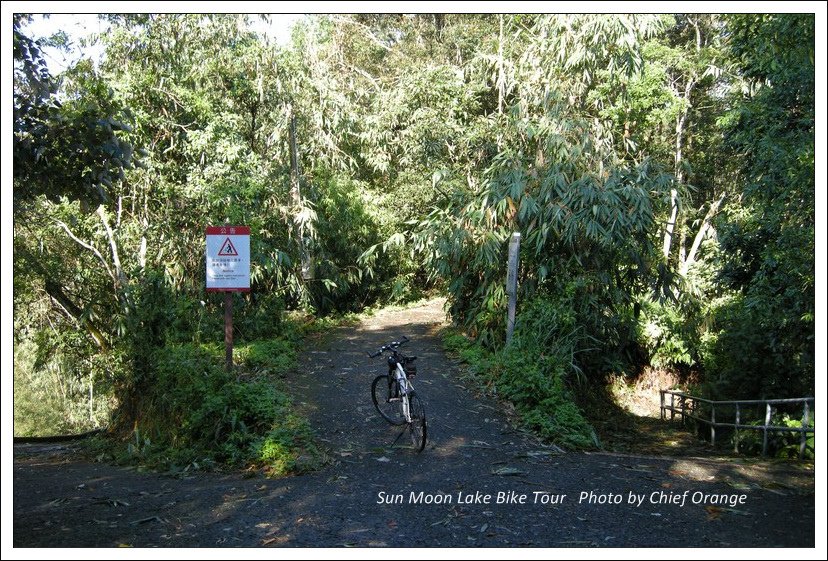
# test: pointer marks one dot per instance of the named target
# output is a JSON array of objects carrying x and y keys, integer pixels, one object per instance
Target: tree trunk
[
  {"x": 700, "y": 235},
  {"x": 294, "y": 165},
  {"x": 113, "y": 247},
  {"x": 501, "y": 77},
  {"x": 439, "y": 23},
  {"x": 54, "y": 290},
  {"x": 671, "y": 223},
  {"x": 296, "y": 199},
  {"x": 678, "y": 172}
]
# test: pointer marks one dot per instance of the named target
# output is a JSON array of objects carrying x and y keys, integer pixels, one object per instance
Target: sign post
[
  {"x": 511, "y": 283},
  {"x": 228, "y": 271},
  {"x": 228, "y": 331}
]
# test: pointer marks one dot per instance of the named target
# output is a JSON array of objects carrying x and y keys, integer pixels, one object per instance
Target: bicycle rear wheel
[
  {"x": 418, "y": 426},
  {"x": 382, "y": 391}
]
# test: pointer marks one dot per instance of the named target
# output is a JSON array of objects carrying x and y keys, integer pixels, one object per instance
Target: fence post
[
  {"x": 805, "y": 420},
  {"x": 511, "y": 283},
  {"x": 91, "y": 400},
  {"x": 765, "y": 436},
  {"x": 661, "y": 409},
  {"x": 672, "y": 406},
  {"x": 736, "y": 431},
  {"x": 696, "y": 418},
  {"x": 713, "y": 425}
]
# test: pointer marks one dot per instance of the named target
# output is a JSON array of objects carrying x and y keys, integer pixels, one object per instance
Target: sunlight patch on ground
[
  {"x": 451, "y": 447},
  {"x": 641, "y": 395}
]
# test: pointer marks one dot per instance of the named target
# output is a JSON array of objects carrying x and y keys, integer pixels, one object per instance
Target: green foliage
[
  {"x": 474, "y": 355},
  {"x": 536, "y": 371},
  {"x": 736, "y": 351},
  {"x": 669, "y": 335},
  {"x": 69, "y": 145},
  {"x": 53, "y": 397},
  {"x": 550, "y": 172},
  {"x": 423, "y": 142},
  {"x": 540, "y": 365},
  {"x": 768, "y": 239},
  {"x": 196, "y": 412},
  {"x": 346, "y": 225},
  {"x": 289, "y": 448},
  {"x": 271, "y": 357},
  {"x": 780, "y": 444}
]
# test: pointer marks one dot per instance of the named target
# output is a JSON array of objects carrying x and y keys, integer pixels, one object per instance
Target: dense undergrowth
[
  {"x": 203, "y": 417},
  {"x": 535, "y": 379}
]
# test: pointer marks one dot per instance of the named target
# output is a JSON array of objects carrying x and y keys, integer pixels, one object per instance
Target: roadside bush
[
  {"x": 748, "y": 354},
  {"x": 668, "y": 333},
  {"x": 202, "y": 415},
  {"x": 780, "y": 444},
  {"x": 271, "y": 356},
  {"x": 52, "y": 379},
  {"x": 536, "y": 370}
]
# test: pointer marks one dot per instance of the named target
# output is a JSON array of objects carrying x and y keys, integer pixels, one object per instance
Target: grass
[
  {"x": 533, "y": 385},
  {"x": 49, "y": 401}
]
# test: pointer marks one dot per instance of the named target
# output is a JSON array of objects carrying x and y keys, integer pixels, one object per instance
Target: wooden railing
[{"x": 688, "y": 407}]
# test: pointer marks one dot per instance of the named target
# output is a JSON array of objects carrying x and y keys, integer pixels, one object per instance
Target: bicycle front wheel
[
  {"x": 386, "y": 396},
  {"x": 418, "y": 426}
]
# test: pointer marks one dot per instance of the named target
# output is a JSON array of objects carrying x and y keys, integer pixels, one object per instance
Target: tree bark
[
  {"x": 678, "y": 156},
  {"x": 678, "y": 172},
  {"x": 700, "y": 235},
  {"x": 501, "y": 78},
  {"x": 671, "y": 223},
  {"x": 296, "y": 199},
  {"x": 54, "y": 290},
  {"x": 439, "y": 23},
  {"x": 113, "y": 247},
  {"x": 90, "y": 247}
]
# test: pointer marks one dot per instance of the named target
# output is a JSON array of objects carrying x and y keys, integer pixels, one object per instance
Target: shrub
[
  {"x": 668, "y": 334},
  {"x": 272, "y": 356},
  {"x": 202, "y": 415},
  {"x": 747, "y": 356},
  {"x": 780, "y": 444},
  {"x": 535, "y": 371},
  {"x": 52, "y": 379}
]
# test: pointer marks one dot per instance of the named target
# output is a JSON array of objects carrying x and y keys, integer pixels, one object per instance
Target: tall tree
[{"x": 767, "y": 343}]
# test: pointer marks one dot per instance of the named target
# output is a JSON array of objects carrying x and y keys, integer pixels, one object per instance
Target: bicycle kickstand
[{"x": 398, "y": 436}]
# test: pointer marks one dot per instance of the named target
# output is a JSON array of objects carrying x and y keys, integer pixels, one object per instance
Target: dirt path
[{"x": 488, "y": 484}]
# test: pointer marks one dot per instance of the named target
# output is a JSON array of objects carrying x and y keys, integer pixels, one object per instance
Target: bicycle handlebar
[{"x": 393, "y": 345}]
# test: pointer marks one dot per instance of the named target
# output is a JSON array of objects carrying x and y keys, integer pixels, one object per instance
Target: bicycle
[{"x": 394, "y": 396}]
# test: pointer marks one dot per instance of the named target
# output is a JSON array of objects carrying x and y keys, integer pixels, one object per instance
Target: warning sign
[
  {"x": 228, "y": 258},
  {"x": 227, "y": 248}
]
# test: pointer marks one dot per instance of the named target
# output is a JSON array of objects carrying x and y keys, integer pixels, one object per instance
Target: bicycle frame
[{"x": 405, "y": 388}]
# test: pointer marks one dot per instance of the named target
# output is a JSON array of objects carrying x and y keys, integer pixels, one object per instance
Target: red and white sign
[{"x": 228, "y": 258}]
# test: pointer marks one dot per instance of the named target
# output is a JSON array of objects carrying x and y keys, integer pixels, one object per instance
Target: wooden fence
[{"x": 692, "y": 407}]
